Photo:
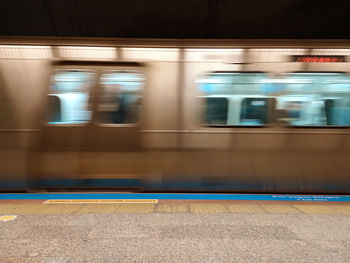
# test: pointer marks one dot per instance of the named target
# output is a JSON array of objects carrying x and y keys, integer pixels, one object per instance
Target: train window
[
  {"x": 68, "y": 98},
  {"x": 235, "y": 98},
  {"x": 253, "y": 111},
  {"x": 120, "y": 100},
  {"x": 316, "y": 99},
  {"x": 337, "y": 112},
  {"x": 216, "y": 111}
]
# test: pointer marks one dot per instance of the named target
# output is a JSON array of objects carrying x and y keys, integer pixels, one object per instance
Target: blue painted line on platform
[{"x": 250, "y": 197}]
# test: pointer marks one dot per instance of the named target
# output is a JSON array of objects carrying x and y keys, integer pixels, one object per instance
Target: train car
[{"x": 175, "y": 115}]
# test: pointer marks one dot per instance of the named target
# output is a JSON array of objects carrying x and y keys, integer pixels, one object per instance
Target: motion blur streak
[{"x": 175, "y": 116}]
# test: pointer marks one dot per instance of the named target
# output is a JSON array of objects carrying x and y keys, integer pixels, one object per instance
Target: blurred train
[{"x": 175, "y": 115}]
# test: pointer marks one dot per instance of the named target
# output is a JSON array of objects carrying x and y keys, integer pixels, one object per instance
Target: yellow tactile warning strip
[
  {"x": 208, "y": 208},
  {"x": 315, "y": 209},
  {"x": 162, "y": 208},
  {"x": 98, "y": 209},
  {"x": 196, "y": 208},
  {"x": 280, "y": 209},
  {"x": 342, "y": 209},
  {"x": 62, "y": 209},
  {"x": 102, "y": 201},
  {"x": 245, "y": 209},
  {"x": 135, "y": 208},
  {"x": 22, "y": 208}
]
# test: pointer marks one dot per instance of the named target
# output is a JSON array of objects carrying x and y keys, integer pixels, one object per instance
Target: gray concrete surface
[{"x": 176, "y": 237}]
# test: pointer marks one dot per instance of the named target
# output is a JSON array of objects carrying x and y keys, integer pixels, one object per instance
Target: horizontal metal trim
[{"x": 198, "y": 43}]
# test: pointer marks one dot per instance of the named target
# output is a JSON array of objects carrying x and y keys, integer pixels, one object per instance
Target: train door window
[
  {"x": 317, "y": 99},
  {"x": 216, "y": 110},
  {"x": 68, "y": 98},
  {"x": 254, "y": 111},
  {"x": 294, "y": 109},
  {"x": 337, "y": 111},
  {"x": 235, "y": 98},
  {"x": 120, "y": 100}
]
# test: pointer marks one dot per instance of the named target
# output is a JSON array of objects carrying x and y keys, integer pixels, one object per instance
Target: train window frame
[
  {"x": 267, "y": 126},
  {"x": 99, "y": 92},
  {"x": 91, "y": 92},
  {"x": 323, "y": 127}
]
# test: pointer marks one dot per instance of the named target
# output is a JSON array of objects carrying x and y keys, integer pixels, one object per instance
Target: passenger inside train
[
  {"x": 70, "y": 98},
  {"x": 300, "y": 99}
]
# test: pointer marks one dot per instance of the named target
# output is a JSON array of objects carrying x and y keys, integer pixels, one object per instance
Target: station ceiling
[{"x": 176, "y": 18}]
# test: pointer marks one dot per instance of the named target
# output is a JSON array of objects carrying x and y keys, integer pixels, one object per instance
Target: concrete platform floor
[{"x": 175, "y": 232}]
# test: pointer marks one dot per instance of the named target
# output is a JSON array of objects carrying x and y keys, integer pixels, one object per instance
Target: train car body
[{"x": 171, "y": 115}]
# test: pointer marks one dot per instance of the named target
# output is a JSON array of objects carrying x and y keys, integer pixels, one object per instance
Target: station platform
[{"x": 128, "y": 227}]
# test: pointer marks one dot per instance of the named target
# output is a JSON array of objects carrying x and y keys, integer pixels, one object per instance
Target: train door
[
  {"x": 91, "y": 132},
  {"x": 93, "y": 106}
]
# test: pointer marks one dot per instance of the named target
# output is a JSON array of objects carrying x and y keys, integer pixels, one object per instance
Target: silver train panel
[{"x": 174, "y": 145}]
